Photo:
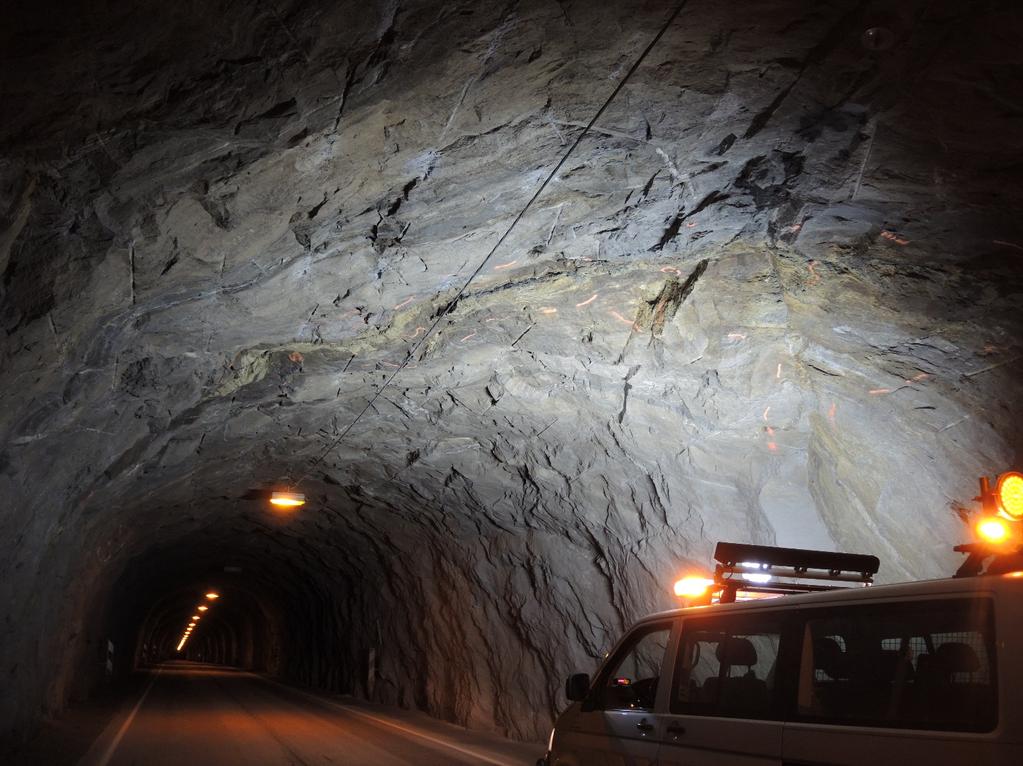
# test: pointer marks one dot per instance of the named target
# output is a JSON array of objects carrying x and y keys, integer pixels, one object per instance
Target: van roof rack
[{"x": 770, "y": 570}]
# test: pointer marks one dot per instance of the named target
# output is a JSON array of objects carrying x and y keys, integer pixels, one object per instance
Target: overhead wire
[{"x": 453, "y": 302}]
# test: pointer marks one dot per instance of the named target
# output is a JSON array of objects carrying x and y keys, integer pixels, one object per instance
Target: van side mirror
[{"x": 577, "y": 686}]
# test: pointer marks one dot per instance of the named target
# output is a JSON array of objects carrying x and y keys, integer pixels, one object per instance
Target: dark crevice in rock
[
  {"x": 656, "y": 313},
  {"x": 675, "y": 226},
  {"x": 834, "y": 38},
  {"x": 626, "y": 387}
]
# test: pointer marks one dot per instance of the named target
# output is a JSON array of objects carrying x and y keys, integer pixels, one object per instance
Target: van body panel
[
  {"x": 1009, "y": 636},
  {"x": 707, "y": 741},
  {"x": 603, "y": 738},
  {"x": 820, "y": 745}
]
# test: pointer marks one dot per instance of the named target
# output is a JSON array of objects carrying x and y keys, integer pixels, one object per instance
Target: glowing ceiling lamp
[
  {"x": 202, "y": 608},
  {"x": 287, "y": 499},
  {"x": 212, "y": 595}
]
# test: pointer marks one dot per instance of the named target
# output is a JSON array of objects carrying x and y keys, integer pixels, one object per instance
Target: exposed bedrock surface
[{"x": 772, "y": 296}]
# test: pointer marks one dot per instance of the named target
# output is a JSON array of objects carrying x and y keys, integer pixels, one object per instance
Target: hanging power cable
[{"x": 465, "y": 286}]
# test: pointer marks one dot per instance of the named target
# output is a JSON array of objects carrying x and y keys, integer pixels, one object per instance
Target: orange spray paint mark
[
  {"x": 470, "y": 335},
  {"x": 405, "y": 302},
  {"x": 831, "y": 412},
  {"x": 391, "y": 365},
  {"x": 548, "y": 311},
  {"x": 690, "y": 224},
  {"x": 765, "y": 413},
  {"x": 879, "y": 391},
  {"x": 777, "y": 373},
  {"x": 735, "y": 336},
  {"x": 416, "y": 333},
  {"x": 588, "y": 301},
  {"x": 891, "y": 236},
  {"x": 670, "y": 270},
  {"x": 508, "y": 265},
  {"x": 296, "y": 357},
  {"x": 622, "y": 319},
  {"x": 815, "y": 277},
  {"x": 917, "y": 378}
]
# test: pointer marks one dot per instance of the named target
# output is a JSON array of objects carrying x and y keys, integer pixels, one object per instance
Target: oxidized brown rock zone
[{"x": 773, "y": 296}]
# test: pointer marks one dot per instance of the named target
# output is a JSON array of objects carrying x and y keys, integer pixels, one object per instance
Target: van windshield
[{"x": 926, "y": 666}]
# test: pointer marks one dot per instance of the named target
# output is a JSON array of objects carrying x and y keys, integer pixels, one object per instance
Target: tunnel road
[{"x": 196, "y": 715}]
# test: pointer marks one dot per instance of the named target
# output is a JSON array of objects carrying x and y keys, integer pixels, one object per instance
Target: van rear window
[{"x": 928, "y": 665}]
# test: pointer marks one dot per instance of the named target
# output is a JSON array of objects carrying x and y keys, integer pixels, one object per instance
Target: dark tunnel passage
[{"x": 772, "y": 296}]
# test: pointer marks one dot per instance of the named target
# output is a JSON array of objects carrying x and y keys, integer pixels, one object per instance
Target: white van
[{"x": 922, "y": 673}]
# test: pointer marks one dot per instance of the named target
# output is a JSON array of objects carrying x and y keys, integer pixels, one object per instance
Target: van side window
[
  {"x": 630, "y": 681},
  {"x": 926, "y": 665},
  {"x": 727, "y": 666}
]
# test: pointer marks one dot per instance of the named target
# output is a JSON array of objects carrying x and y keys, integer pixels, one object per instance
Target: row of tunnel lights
[
  {"x": 279, "y": 499},
  {"x": 211, "y": 596}
]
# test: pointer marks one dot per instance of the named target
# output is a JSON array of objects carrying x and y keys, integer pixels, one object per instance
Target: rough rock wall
[{"x": 771, "y": 297}]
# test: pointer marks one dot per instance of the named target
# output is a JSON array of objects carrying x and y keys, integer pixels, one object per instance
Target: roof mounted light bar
[{"x": 770, "y": 570}]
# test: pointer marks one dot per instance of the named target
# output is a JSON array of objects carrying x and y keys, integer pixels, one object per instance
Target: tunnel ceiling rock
[{"x": 771, "y": 297}]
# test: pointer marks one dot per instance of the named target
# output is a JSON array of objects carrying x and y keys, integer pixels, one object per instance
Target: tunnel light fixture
[
  {"x": 287, "y": 499},
  {"x": 212, "y": 595},
  {"x": 202, "y": 608},
  {"x": 196, "y": 616}
]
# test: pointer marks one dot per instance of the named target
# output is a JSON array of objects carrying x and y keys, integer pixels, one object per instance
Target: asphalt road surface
[{"x": 193, "y": 715}]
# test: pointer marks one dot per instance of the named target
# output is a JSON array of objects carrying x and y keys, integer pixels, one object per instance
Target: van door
[
  {"x": 892, "y": 684},
  {"x": 616, "y": 725},
  {"x": 727, "y": 702}
]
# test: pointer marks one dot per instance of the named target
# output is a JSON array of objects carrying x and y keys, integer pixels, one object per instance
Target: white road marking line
[
  {"x": 435, "y": 740},
  {"x": 412, "y": 732},
  {"x": 112, "y": 747}
]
